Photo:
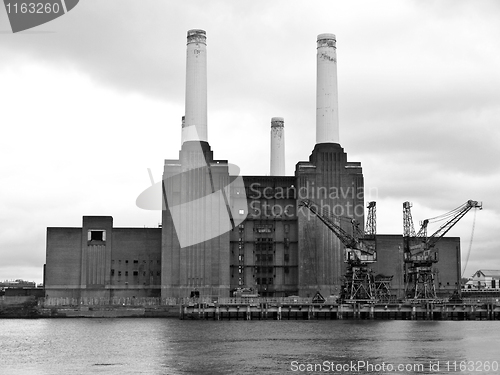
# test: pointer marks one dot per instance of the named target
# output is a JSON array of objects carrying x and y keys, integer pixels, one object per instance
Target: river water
[{"x": 171, "y": 346}]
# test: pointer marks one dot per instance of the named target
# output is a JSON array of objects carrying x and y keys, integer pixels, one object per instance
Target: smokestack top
[
  {"x": 196, "y": 36},
  {"x": 326, "y": 40},
  {"x": 327, "y": 118},
  {"x": 277, "y": 146},
  {"x": 277, "y": 122},
  {"x": 195, "y": 122}
]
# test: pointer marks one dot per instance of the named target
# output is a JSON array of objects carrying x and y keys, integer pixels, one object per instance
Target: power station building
[{"x": 221, "y": 231}]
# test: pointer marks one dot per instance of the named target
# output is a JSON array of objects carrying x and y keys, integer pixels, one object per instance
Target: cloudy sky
[{"x": 91, "y": 100}]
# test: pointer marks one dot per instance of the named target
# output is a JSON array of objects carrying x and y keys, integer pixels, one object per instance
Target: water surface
[{"x": 171, "y": 346}]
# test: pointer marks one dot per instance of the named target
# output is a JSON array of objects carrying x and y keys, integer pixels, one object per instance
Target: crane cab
[{"x": 358, "y": 256}]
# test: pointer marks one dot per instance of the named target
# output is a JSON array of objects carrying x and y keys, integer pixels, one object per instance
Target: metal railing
[
  {"x": 156, "y": 301},
  {"x": 14, "y": 300},
  {"x": 481, "y": 301},
  {"x": 114, "y": 301}
]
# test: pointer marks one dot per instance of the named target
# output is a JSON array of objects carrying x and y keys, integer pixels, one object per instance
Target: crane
[
  {"x": 420, "y": 252},
  {"x": 358, "y": 253}
]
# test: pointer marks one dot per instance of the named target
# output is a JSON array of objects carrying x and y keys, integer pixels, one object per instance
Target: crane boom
[
  {"x": 456, "y": 215},
  {"x": 452, "y": 217},
  {"x": 359, "y": 251},
  {"x": 349, "y": 241}
]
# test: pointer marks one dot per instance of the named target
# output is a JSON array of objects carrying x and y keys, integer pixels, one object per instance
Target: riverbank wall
[{"x": 247, "y": 309}]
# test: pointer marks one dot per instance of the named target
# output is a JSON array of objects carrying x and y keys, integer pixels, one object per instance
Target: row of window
[
  {"x": 264, "y": 257},
  {"x": 135, "y": 261},
  {"x": 135, "y": 273},
  {"x": 263, "y": 228},
  {"x": 263, "y": 269},
  {"x": 259, "y": 270},
  {"x": 258, "y": 241}
]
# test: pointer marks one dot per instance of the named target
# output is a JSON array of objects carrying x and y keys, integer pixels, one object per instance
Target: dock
[{"x": 282, "y": 309}]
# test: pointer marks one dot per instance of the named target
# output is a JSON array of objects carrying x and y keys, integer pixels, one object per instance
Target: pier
[{"x": 302, "y": 309}]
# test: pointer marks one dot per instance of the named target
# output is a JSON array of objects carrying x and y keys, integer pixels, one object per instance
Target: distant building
[
  {"x": 484, "y": 279},
  {"x": 19, "y": 283}
]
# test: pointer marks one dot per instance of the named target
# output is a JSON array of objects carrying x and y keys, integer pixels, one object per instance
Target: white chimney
[
  {"x": 195, "y": 123},
  {"x": 327, "y": 117},
  {"x": 277, "y": 146}
]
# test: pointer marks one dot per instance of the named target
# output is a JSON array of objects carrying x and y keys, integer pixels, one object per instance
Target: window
[
  {"x": 158, "y": 273},
  {"x": 287, "y": 257},
  {"x": 287, "y": 269},
  {"x": 136, "y": 261},
  {"x": 136, "y": 273},
  {"x": 126, "y": 261},
  {"x": 263, "y": 228},
  {"x": 126, "y": 273},
  {"x": 119, "y": 273},
  {"x": 112, "y": 272},
  {"x": 144, "y": 273},
  {"x": 96, "y": 235},
  {"x": 241, "y": 212}
]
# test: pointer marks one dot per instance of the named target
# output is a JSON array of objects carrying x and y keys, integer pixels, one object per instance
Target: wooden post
[{"x": 472, "y": 313}]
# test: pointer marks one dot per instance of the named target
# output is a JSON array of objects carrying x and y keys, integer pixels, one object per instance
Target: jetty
[{"x": 305, "y": 309}]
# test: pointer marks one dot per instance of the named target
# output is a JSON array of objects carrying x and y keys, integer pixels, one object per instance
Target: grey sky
[{"x": 94, "y": 98}]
